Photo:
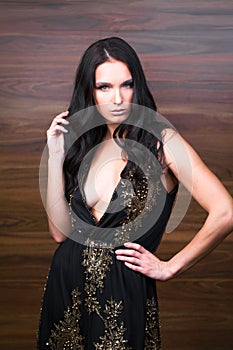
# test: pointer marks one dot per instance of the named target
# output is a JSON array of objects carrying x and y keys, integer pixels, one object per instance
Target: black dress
[{"x": 92, "y": 300}]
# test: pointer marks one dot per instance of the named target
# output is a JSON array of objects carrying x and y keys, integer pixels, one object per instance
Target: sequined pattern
[
  {"x": 113, "y": 337},
  {"x": 97, "y": 261},
  {"x": 137, "y": 206},
  {"x": 152, "y": 331},
  {"x": 66, "y": 335}
]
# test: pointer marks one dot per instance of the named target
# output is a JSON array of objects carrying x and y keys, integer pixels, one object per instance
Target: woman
[{"x": 120, "y": 178}]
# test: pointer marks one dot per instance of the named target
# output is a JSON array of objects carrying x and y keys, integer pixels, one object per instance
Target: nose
[{"x": 117, "y": 97}]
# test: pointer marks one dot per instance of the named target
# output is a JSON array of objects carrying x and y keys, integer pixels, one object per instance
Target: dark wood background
[{"x": 186, "y": 51}]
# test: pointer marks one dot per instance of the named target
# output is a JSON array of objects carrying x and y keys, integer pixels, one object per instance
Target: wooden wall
[{"x": 186, "y": 51}]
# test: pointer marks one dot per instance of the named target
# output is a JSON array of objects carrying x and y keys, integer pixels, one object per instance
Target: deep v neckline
[{"x": 89, "y": 209}]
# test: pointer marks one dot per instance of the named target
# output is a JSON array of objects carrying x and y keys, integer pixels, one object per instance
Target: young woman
[{"x": 109, "y": 197}]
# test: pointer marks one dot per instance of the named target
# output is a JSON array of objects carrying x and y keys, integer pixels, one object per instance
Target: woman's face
[{"x": 113, "y": 91}]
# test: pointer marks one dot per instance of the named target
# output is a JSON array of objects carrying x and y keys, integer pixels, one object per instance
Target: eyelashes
[
  {"x": 126, "y": 84},
  {"x": 102, "y": 87}
]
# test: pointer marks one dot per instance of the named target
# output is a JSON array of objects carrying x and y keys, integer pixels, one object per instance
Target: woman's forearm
[
  {"x": 217, "y": 226},
  {"x": 214, "y": 230},
  {"x": 56, "y": 204}
]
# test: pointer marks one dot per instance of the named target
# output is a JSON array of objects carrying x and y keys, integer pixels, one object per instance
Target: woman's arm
[
  {"x": 209, "y": 192},
  {"x": 56, "y": 205}
]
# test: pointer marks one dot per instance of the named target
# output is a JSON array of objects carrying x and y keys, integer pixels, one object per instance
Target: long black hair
[{"x": 99, "y": 52}]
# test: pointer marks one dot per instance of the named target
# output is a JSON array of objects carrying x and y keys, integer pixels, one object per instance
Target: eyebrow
[
  {"x": 101, "y": 83},
  {"x": 129, "y": 81}
]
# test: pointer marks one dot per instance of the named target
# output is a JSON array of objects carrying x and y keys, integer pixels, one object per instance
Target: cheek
[
  {"x": 129, "y": 95},
  {"x": 102, "y": 108},
  {"x": 99, "y": 98}
]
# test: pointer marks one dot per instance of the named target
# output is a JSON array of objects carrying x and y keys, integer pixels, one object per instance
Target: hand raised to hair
[
  {"x": 55, "y": 134},
  {"x": 137, "y": 258}
]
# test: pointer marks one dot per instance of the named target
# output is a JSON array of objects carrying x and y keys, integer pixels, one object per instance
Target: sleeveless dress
[{"x": 92, "y": 300}]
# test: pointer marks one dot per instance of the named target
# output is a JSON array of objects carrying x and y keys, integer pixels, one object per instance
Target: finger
[
  {"x": 128, "y": 252},
  {"x": 57, "y": 129},
  {"x": 132, "y": 260},
  {"x": 61, "y": 120},
  {"x": 57, "y": 121},
  {"x": 62, "y": 115},
  {"x": 135, "y": 246},
  {"x": 133, "y": 267},
  {"x": 61, "y": 128}
]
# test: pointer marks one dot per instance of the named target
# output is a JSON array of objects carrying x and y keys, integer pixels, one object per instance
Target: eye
[
  {"x": 103, "y": 87},
  {"x": 128, "y": 84}
]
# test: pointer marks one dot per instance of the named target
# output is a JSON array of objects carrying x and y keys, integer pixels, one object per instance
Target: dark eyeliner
[
  {"x": 128, "y": 83},
  {"x": 99, "y": 87}
]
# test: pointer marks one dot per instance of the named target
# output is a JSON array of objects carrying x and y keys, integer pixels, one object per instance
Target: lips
[{"x": 118, "y": 112}]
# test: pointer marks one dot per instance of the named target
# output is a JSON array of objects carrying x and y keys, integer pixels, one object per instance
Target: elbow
[
  {"x": 59, "y": 238},
  {"x": 227, "y": 217},
  {"x": 56, "y": 234},
  {"x": 221, "y": 217}
]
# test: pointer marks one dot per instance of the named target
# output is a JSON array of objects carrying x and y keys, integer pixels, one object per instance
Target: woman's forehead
[{"x": 112, "y": 69}]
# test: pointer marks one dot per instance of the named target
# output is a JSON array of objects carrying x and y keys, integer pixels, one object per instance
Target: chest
[{"x": 103, "y": 177}]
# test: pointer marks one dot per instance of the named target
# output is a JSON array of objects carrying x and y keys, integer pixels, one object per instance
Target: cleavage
[{"x": 103, "y": 178}]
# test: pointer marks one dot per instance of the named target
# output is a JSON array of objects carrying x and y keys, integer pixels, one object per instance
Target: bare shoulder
[{"x": 192, "y": 172}]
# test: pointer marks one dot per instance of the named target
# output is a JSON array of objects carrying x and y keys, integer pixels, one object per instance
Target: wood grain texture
[{"x": 186, "y": 51}]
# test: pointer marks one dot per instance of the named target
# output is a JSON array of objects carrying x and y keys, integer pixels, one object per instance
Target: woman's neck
[{"x": 111, "y": 129}]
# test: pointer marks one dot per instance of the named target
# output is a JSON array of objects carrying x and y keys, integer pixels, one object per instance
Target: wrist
[
  {"x": 165, "y": 272},
  {"x": 55, "y": 169},
  {"x": 172, "y": 269},
  {"x": 57, "y": 158}
]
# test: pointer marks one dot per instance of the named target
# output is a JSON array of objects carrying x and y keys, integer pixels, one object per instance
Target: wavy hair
[{"x": 99, "y": 52}]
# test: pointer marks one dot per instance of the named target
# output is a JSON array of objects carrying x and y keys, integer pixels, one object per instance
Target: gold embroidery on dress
[
  {"x": 122, "y": 234},
  {"x": 97, "y": 261},
  {"x": 113, "y": 337},
  {"x": 66, "y": 335},
  {"x": 152, "y": 330},
  {"x": 98, "y": 257},
  {"x": 135, "y": 204},
  {"x": 42, "y": 302},
  {"x": 72, "y": 218}
]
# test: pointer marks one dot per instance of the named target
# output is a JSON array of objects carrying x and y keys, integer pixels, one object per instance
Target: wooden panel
[{"x": 186, "y": 51}]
